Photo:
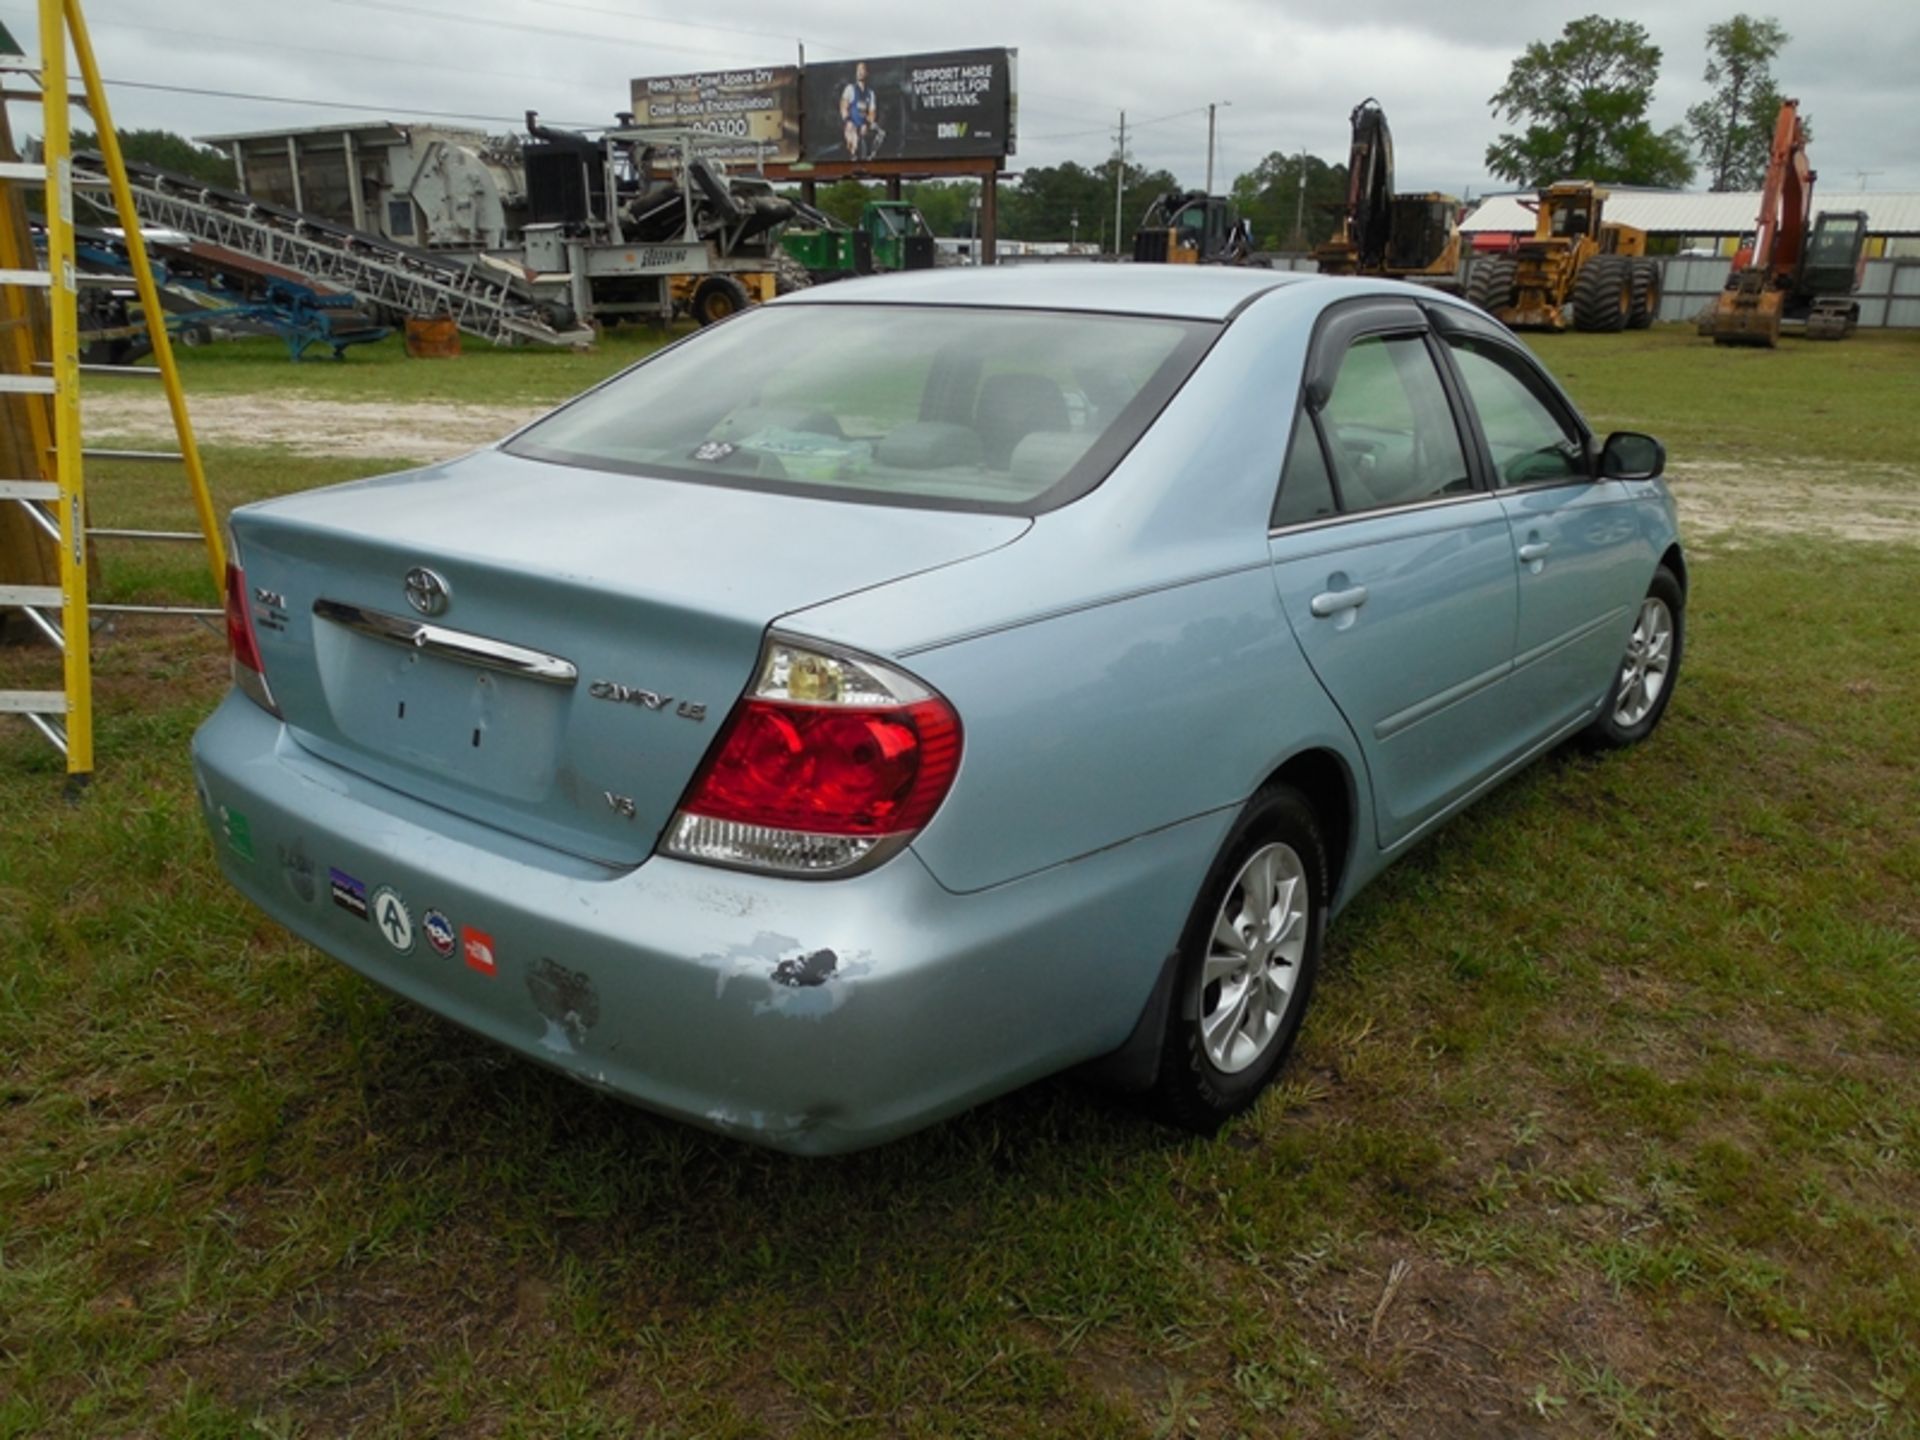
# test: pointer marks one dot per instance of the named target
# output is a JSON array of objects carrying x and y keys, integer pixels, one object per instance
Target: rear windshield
[{"x": 1004, "y": 410}]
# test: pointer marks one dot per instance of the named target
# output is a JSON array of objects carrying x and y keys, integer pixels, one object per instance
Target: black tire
[
  {"x": 1603, "y": 294},
  {"x": 1490, "y": 284},
  {"x": 1646, "y": 295},
  {"x": 717, "y": 297},
  {"x": 1615, "y": 728},
  {"x": 1192, "y": 1090}
]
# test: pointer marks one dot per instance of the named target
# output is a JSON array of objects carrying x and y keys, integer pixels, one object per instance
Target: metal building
[{"x": 1693, "y": 223}]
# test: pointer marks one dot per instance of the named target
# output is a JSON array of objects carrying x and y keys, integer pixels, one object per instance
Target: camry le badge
[
  {"x": 645, "y": 699},
  {"x": 427, "y": 591}
]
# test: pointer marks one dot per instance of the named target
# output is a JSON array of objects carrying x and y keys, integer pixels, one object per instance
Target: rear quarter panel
[{"x": 1088, "y": 729}]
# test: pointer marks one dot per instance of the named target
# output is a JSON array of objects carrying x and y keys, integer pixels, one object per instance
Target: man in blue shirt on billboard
[{"x": 858, "y": 120}]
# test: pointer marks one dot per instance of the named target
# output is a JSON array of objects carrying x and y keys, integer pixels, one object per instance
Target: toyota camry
[{"x": 917, "y": 686}]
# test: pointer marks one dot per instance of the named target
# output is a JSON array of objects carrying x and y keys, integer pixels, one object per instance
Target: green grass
[
  {"x": 482, "y": 374},
  {"x": 1821, "y": 405},
  {"x": 1606, "y": 1121}
]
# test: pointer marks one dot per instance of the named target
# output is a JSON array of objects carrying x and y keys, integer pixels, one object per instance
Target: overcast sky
[{"x": 1291, "y": 71}]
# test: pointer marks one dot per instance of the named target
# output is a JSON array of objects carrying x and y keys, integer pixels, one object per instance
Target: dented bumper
[{"x": 808, "y": 1016}]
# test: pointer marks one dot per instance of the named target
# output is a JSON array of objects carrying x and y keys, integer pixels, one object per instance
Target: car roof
[{"x": 1188, "y": 292}]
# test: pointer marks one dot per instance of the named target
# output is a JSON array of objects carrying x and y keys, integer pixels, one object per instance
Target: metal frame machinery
[
  {"x": 639, "y": 222},
  {"x": 493, "y": 302}
]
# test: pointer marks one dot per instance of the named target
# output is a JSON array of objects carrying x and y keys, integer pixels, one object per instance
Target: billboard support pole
[{"x": 990, "y": 218}]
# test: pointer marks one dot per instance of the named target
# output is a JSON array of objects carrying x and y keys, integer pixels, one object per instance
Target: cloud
[{"x": 1291, "y": 71}]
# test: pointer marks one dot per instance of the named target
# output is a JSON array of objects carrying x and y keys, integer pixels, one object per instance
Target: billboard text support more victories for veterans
[{"x": 909, "y": 107}]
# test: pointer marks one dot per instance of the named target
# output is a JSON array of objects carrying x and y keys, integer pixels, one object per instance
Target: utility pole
[
  {"x": 1209, "y": 147},
  {"x": 1119, "y": 182},
  {"x": 1300, "y": 204},
  {"x": 1211, "y": 107}
]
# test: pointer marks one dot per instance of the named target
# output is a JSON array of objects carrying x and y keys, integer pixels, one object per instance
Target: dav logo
[{"x": 953, "y": 130}]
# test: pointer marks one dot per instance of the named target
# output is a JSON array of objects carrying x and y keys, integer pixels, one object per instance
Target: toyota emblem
[{"x": 427, "y": 592}]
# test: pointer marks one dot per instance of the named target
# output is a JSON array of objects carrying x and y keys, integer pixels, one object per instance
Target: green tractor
[{"x": 891, "y": 235}]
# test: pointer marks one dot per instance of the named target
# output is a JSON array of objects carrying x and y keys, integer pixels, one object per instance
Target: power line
[
  {"x": 321, "y": 104},
  {"x": 394, "y": 7},
  {"x": 115, "y": 23},
  {"x": 1071, "y": 134},
  {"x": 692, "y": 24},
  {"x": 1131, "y": 125}
]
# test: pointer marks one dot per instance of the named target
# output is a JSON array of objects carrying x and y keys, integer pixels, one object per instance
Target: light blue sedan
[{"x": 915, "y": 687}]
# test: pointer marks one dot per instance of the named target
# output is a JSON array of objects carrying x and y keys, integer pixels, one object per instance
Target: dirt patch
[
  {"x": 417, "y": 431},
  {"x": 1868, "y": 504},
  {"x": 1720, "y": 501}
]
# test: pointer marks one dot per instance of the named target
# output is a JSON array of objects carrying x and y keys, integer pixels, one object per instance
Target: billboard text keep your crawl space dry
[
  {"x": 910, "y": 107},
  {"x": 753, "y": 115}
]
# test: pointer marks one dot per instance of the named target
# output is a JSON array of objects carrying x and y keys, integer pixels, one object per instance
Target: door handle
[
  {"x": 1332, "y": 602},
  {"x": 1535, "y": 550}
]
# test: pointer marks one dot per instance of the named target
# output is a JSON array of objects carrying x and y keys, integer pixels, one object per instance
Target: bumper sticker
[
  {"x": 348, "y": 893},
  {"x": 393, "y": 919},
  {"x": 239, "y": 832},
  {"x": 477, "y": 946},
  {"x": 439, "y": 932}
]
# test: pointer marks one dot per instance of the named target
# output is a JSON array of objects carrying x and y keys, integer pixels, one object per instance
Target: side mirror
[{"x": 1629, "y": 455}]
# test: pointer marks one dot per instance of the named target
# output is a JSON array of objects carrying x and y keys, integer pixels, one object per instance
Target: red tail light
[
  {"x": 831, "y": 764},
  {"x": 249, "y": 675}
]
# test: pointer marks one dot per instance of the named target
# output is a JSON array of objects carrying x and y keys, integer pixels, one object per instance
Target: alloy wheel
[
  {"x": 1643, "y": 674},
  {"x": 1253, "y": 959}
]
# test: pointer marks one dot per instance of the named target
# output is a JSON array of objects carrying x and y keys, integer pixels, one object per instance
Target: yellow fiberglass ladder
[{"x": 42, "y": 396}]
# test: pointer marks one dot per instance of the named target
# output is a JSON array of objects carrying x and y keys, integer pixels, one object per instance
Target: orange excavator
[{"x": 1793, "y": 270}]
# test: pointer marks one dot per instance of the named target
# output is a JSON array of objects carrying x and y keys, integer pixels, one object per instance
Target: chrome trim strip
[
  {"x": 1434, "y": 704},
  {"x": 1379, "y": 512},
  {"x": 454, "y": 645}
]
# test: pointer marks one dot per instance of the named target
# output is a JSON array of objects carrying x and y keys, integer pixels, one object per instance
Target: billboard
[
  {"x": 754, "y": 114},
  {"x": 910, "y": 107}
]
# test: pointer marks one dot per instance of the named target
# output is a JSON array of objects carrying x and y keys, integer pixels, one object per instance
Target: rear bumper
[{"x": 808, "y": 1016}]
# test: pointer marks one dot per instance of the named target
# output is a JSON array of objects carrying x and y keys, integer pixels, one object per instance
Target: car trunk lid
[{"x": 595, "y": 630}]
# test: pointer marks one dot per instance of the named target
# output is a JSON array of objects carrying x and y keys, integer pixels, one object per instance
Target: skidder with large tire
[{"x": 1575, "y": 260}]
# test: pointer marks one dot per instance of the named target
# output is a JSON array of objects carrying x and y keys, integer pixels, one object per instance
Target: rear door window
[
  {"x": 1389, "y": 427},
  {"x": 1306, "y": 488}
]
